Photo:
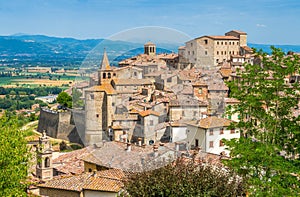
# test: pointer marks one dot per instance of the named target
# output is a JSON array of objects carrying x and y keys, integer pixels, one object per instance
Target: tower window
[
  {"x": 109, "y": 75},
  {"x": 104, "y": 75},
  {"x": 47, "y": 162}
]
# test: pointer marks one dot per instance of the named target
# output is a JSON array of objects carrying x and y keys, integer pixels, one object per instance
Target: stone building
[
  {"x": 209, "y": 51},
  {"x": 208, "y": 133}
]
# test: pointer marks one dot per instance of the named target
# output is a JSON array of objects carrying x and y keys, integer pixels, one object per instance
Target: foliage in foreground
[
  {"x": 266, "y": 154},
  {"x": 14, "y": 157},
  {"x": 184, "y": 179}
]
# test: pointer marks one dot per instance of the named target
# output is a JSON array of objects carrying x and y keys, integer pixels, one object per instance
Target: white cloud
[{"x": 260, "y": 25}]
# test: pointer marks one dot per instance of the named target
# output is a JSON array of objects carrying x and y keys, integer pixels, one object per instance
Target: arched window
[
  {"x": 104, "y": 75},
  {"x": 47, "y": 162},
  {"x": 109, "y": 75}
]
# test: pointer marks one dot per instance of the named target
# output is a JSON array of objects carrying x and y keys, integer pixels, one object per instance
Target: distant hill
[{"x": 24, "y": 50}]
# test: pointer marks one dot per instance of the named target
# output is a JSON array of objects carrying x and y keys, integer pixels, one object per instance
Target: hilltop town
[{"x": 148, "y": 111}]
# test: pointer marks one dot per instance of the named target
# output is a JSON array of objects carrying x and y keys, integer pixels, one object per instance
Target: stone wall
[{"x": 67, "y": 125}]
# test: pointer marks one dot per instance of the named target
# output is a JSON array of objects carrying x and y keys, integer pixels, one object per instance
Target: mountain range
[{"x": 26, "y": 50}]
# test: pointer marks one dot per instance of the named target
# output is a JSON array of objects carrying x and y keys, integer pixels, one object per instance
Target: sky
[{"x": 265, "y": 21}]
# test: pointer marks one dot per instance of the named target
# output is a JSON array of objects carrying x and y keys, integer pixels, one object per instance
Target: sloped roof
[
  {"x": 211, "y": 122},
  {"x": 105, "y": 62},
  {"x": 106, "y": 87},
  {"x": 149, "y": 112},
  {"x": 108, "y": 180}
]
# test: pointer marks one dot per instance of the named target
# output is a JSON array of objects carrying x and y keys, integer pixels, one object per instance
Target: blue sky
[{"x": 265, "y": 21}]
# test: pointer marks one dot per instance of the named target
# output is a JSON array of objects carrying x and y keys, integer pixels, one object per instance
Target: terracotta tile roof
[
  {"x": 70, "y": 163},
  {"x": 132, "y": 81},
  {"x": 108, "y": 180},
  {"x": 231, "y": 100},
  {"x": 246, "y": 48},
  {"x": 114, "y": 155},
  {"x": 239, "y": 32},
  {"x": 211, "y": 122},
  {"x": 220, "y": 37},
  {"x": 225, "y": 72},
  {"x": 104, "y": 87},
  {"x": 149, "y": 112}
]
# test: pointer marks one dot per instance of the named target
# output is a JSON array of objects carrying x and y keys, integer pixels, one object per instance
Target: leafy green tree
[
  {"x": 14, "y": 157},
  {"x": 64, "y": 99},
  {"x": 77, "y": 101},
  {"x": 265, "y": 155},
  {"x": 184, "y": 179}
]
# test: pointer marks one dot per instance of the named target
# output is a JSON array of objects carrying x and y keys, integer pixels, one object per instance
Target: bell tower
[
  {"x": 150, "y": 49},
  {"x": 44, "y": 168}
]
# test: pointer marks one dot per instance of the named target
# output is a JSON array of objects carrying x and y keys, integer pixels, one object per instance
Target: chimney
[
  {"x": 155, "y": 150},
  {"x": 140, "y": 141},
  {"x": 128, "y": 147}
]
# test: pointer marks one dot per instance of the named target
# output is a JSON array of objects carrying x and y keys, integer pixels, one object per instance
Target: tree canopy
[
  {"x": 64, "y": 99},
  {"x": 14, "y": 157},
  {"x": 266, "y": 154},
  {"x": 184, "y": 179}
]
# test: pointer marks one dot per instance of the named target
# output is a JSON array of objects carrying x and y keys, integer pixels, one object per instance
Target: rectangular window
[
  {"x": 205, "y": 41},
  {"x": 211, "y": 132},
  {"x": 205, "y": 52},
  {"x": 221, "y": 131},
  {"x": 195, "y": 113},
  {"x": 97, "y": 115},
  {"x": 217, "y": 43},
  {"x": 217, "y": 52},
  {"x": 196, "y": 142},
  {"x": 217, "y": 60},
  {"x": 211, "y": 144},
  {"x": 151, "y": 122},
  {"x": 221, "y": 143},
  {"x": 169, "y": 79},
  {"x": 92, "y": 96},
  {"x": 232, "y": 131}
]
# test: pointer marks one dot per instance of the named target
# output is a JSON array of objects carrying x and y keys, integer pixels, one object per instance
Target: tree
[
  {"x": 14, "y": 158},
  {"x": 184, "y": 179},
  {"x": 64, "y": 99},
  {"x": 265, "y": 155},
  {"x": 77, "y": 101}
]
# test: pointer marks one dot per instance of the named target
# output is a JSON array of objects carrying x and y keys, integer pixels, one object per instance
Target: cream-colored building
[{"x": 208, "y": 51}]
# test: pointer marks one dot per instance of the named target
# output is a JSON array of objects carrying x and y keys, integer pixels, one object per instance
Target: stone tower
[
  {"x": 98, "y": 104},
  {"x": 105, "y": 73},
  {"x": 150, "y": 48},
  {"x": 44, "y": 168}
]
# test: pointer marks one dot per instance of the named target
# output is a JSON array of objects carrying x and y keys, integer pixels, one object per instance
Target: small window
[
  {"x": 200, "y": 91},
  {"x": 195, "y": 113},
  {"x": 232, "y": 43},
  {"x": 221, "y": 43},
  {"x": 169, "y": 79},
  {"x": 221, "y": 131},
  {"x": 221, "y": 143},
  {"x": 217, "y": 52},
  {"x": 229, "y": 43},
  {"x": 225, "y": 43},
  {"x": 189, "y": 52},
  {"x": 47, "y": 162},
  {"x": 114, "y": 74},
  {"x": 151, "y": 122},
  {"x": 191, "y": 44},
  {"x": 109, "y": 75},
  {"x": 205, "y": 41},
  {"x": 211, "y": 144},
  {"x": 104, "y": 75},
  {"x": 196, "y": 142},
  {"x": 232, "y": 131},
  {"x": 97, "y": 115},
  {"x": 211, "y": 132},
  {"x": 90, "y": 170},
  {"x": 193, "y": 52},
  {"x": 92, "y": 96},
  {"x": 217, "y": 43},
  {"x": 205, "y": 52},
  {"x": 221, "y": 52},
  {"x": 135, "y": 74},
  {"x": 183, "y": 113},
  {"x": 217, "y": 60}
]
